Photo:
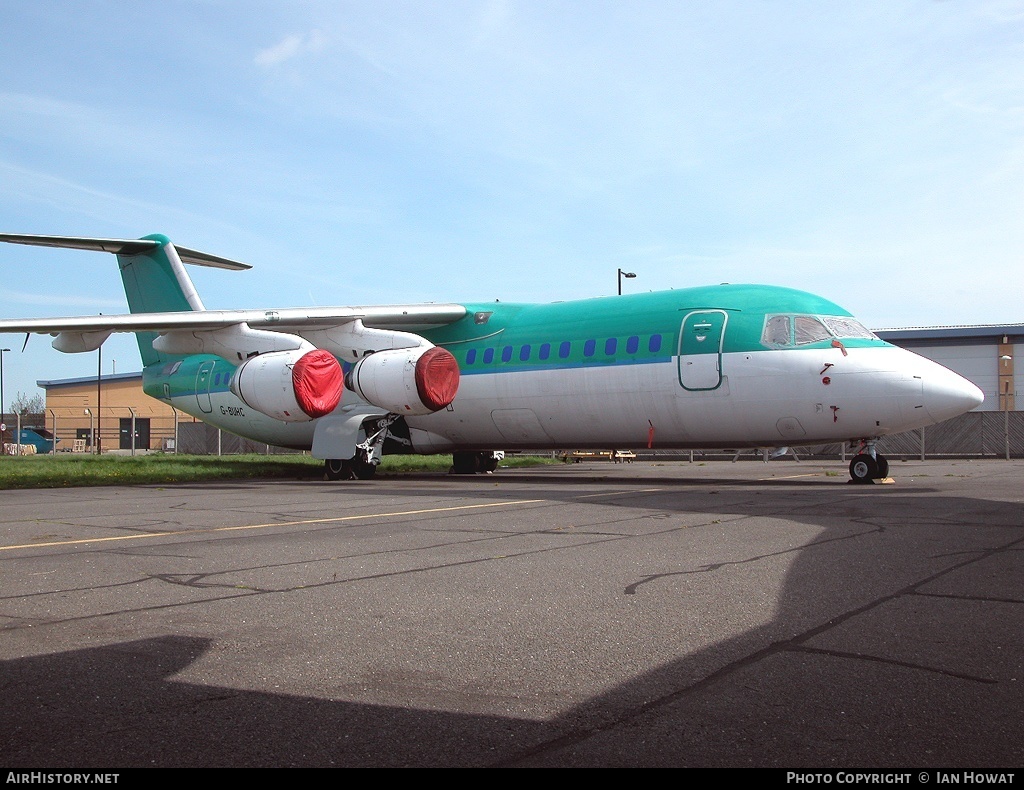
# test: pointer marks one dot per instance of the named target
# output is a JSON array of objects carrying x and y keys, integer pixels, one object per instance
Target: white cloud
[{"x": 290, "y": 47}]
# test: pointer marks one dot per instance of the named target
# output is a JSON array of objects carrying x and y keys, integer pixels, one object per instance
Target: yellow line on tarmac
[
  {"x": 789, "y": 477},
  {"x": 618, "y": 493},
  {"x": 272, "y": 524}
]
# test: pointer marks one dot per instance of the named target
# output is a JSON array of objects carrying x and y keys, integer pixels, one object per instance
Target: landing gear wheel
[
  {"x": 337, "y": 469},
  {"x": 363, "y": 470},
  {"x": 464, "y": 463},
  {"x": 488, "y": 463},
  {"x": 360, "y": 466},
  {"x": 883, "y": 467},
  {"x": 864, "y": 469}
]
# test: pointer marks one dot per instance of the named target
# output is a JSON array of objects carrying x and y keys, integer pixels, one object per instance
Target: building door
[{"x": 141, "y": 433}]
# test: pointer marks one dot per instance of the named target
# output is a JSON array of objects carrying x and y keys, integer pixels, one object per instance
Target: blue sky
[{"x": 379, "y": 152}]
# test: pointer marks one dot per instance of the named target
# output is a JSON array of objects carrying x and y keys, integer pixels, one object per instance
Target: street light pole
[
  {"x": 2, "y": 350},
  {"x": 99, "y": 399},
  {"x": 627, "y": 275}
]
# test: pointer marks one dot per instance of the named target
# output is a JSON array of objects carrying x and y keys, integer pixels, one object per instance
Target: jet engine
[
  {"x": 294, "y": 386},
  {"x": 408, "y": 381}
]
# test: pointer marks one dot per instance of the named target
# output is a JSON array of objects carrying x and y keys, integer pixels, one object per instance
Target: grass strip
[{"x": 68, "y": 470}]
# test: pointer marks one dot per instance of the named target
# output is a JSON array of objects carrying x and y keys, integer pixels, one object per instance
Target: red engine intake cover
[
  {"x": 317, "y": 381},
  {"x": 437, "y": 378}
]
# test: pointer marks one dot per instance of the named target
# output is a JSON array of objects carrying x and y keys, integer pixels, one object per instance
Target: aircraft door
[
  {"x": 701, "y": 339},
  {"x": 204, "y": 378}
]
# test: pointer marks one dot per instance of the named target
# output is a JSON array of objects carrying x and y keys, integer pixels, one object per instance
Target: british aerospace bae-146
[{"x": 725, "y": 366}]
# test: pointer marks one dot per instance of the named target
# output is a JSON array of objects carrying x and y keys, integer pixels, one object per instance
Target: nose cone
[{"x": 947, "y": 394}]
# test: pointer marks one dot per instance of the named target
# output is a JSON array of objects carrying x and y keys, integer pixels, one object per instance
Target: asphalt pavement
[{"x": 646, "y": 614}]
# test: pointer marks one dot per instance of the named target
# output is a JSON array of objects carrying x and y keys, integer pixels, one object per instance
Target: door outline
[
  {"x": 204, "y": 380},
  {"x": 699, "y": 353}
]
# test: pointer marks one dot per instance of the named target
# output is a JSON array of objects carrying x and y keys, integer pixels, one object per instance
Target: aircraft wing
[
  {"x": 292, "y": 320},
  {"x": 156, "y": 284}
]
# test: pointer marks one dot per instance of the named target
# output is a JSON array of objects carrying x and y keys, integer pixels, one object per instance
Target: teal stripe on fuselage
[
  {"x": 492, "y": 336},
  {"x": 180, "y": 377},
  {"x": 497, "y": 326}
]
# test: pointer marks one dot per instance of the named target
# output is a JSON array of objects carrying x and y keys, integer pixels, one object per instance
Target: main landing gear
[
  {"x": 362, "y": 465},
  {"x": 468, "y": 463},
  {"x": 355, "y": 468},
  {"x": 868, "y": 466}
]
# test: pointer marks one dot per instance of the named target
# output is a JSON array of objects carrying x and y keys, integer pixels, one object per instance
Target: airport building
[
  {"x": 982, "y": 354},
  {"x": 113, "y": 409}
]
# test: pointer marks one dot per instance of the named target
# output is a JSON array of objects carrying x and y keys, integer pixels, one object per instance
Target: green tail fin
[{"x": 155, "y": 281}]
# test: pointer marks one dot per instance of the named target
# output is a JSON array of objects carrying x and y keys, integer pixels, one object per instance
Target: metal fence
[
  {"x": 982, "y": 434},
  {"x": 991, "y": 434},
  {"x": 198, "y": 438}
]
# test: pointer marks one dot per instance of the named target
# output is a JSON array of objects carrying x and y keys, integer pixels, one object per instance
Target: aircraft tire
[
  {"x": 488, "y": 463},
  {"x": 464, "y": 463},
  {"x": 883, "y": 467},
  {"x": 863, "y": 469},
  {"x": 363, "y": 471},
  {"x": 337, "y": 469}
]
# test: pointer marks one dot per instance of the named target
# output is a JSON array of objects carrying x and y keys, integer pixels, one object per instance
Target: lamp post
[
  {"x": 627, "y": 275},
  {"x": 2, "y": 350},
  {"x": 99, "y": 398}
]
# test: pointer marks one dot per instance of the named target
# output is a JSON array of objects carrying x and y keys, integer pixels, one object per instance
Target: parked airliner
[{"x": 723, "y": 366}]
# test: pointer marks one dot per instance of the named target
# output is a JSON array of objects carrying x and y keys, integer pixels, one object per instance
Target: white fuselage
[{"x": 762, "y": 399}]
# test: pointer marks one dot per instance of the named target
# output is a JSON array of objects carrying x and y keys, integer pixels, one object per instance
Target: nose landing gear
[{"x": 868, "y": 466}]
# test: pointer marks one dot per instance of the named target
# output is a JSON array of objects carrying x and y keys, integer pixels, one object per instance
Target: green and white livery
[{"x": 737, "y": 366}]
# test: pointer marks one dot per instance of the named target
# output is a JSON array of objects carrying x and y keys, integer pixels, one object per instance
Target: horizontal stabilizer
[{"x": 123, "y": 247}]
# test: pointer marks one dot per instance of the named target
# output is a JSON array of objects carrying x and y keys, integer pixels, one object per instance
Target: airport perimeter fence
[
  {"x": 198, "y": 438},
  {"x": 982, "y": 434},
  {"x": 987, "y": 434}
]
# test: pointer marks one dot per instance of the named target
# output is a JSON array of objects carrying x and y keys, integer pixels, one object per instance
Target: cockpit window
[
  {"x": 777, "y": 331},
  {"x": 848, "y": 327},
  {"x": 809, "y": 330},
  {"x": 787, "y": 331}
]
